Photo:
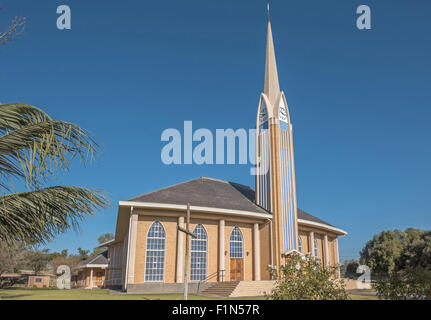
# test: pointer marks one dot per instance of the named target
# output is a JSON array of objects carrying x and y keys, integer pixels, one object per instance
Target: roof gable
[{"x": 101, "y": 258}]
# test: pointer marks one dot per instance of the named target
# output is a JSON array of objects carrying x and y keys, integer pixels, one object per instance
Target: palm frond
[
  {"x": 32, "y": 145},
  {"x": 38, "y": 216}
]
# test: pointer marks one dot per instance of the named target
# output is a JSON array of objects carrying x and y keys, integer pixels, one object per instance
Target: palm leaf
[
  {"x": 39, "y": 215},
  {"x": 32, "y": 145}
]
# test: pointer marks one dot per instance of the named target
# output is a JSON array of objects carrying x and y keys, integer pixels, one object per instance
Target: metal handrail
[{"x": 212, "y": 275}]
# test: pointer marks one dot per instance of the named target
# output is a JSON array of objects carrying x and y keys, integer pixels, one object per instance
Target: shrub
[
  {"x": 304, "y": 278},
  {"x": 411, "y": 283}
]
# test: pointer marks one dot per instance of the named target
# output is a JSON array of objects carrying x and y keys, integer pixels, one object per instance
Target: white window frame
[
  {"x": 164, "y": 253},
  {"x": 206, "y": 252},
  {"x": 242, "y": 243}
]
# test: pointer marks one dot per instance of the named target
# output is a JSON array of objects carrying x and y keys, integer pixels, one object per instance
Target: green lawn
[
  {"x": 362, "y": 297},
  {"x": 53, "y": 294}
]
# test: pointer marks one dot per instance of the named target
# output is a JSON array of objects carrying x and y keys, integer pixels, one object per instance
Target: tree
[
  {"x": 32, "y": 147},
  {"x": 36, "y": 260},
  {"x": 416, "y": 250},
  {"x": 11, "y": 259},
  {"x": 304, "y": 278},
  {"x": 105, "y": 237},
  {"x": 349, "y": 267},
  {"x": 409, "y": 283},
  {"x": 394, "y": 250},
  {"x": 83, "y": 254},
  {"x": 411, "y": 276},
  {"x": 102, "y": 239},
  {"x": 72, "y": 261},
  {"x": 380, "y": 253},
  {"x": 16, "y": 28}
]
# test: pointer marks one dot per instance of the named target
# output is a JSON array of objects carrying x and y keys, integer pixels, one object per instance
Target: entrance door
[
  {"x": 236, "y": 269},
  {"x": 236, "y": 255}
]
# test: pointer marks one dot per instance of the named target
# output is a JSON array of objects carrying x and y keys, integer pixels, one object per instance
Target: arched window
[
  {"x": 198, "y": 263},
  {"x": 299, "y": 244},
  {"x": 316, "y": 249},
  {"x": 155, "y": 254},
  {"x": 235, "y": 244}
]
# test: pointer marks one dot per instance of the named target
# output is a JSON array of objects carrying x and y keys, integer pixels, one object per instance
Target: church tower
[{"x": 275, "y": 177}]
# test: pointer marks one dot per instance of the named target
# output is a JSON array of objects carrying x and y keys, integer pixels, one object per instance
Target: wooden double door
[{"x": 236, "y": 269}]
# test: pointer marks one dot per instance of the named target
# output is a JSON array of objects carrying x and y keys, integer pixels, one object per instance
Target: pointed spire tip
[{"x": 267, "y": 8}]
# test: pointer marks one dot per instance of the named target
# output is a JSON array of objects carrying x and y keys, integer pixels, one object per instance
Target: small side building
[
  {"x": 39, "y": 281},
  {"x": 91, "y": 272}
]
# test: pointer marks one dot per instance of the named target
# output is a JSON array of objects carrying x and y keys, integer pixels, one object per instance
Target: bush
[
  {"x": 405, "y": 284},
  {"x": 304, "y": 278},
  {"x": 349, "y": 269}
]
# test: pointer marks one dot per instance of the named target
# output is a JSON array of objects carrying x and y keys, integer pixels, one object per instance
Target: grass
[
  {"x": 54, "y": 294},
  {"x": 362, "y": 297}
]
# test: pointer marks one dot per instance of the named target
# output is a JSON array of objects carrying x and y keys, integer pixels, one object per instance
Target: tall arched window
[
  {"x": 316, "y": 249},
  {"x": 155, "y": 254},
  {"x": 198, "y": 263},
  {"x": 299, "y": 244},
  {"x": 235, "y": 244}
]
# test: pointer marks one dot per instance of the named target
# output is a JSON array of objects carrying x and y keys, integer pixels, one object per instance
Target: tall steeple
[
  {"x": 272, "y": 87},
  {"x": 275, "y": 181}
]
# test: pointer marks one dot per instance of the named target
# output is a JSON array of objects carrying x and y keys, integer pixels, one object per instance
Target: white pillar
[
  {"x": 256, "y": 254},
  {"x": 337, "y": 257},
  {"x": 91, "y": 278},
  {"x": 132, "y": 248},
  {"x": 180, "y": 251},
  {"x": 312, "y": 243},
  {"x": 327, "y": 262},
  {"x": 221, "y": 245}
]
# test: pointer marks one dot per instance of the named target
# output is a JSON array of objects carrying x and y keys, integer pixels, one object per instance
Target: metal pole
[{"x": 186, "y": 280}]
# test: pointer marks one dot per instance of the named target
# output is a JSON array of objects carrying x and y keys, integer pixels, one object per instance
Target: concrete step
[
  {"x": 253, "y": 288},
  {"x": 221, "y": 289}
]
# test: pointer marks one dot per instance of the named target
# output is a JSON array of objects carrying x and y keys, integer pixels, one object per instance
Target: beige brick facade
[
  {"x": 212, "y": 229},
  {"x": 169, "y": 220}
]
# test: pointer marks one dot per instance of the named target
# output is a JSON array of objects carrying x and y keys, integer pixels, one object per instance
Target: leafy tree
[
  {"x": 395, "y": 250},
  {"x": 72, "y": 261},
  {"x": 32, "y": 147},
  {"x": 349, "y": 267},
  {"x": 410, "y": 283},
  {"x": 304, "y": 278},
  {"x": 411, "y": 276},
  {"x": 416, "y": 251},
  {"x": 102, "y": 239},
  {"x": 36, "y": 260},
  {"x": 83, "y": 254},
  {"x": 105, "y": 237},
  {"x": 11, "y": 259},
  {"x": 380, "y": 253}
]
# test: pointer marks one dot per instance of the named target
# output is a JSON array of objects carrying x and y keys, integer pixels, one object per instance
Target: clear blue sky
[{"x": 359, "y": 100}]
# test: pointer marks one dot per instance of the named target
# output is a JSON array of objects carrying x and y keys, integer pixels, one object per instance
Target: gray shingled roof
[
  {"x": 101, "y": 258},
  {"x": 213, "y": 193},
  {"x": 306, "y": 216}
]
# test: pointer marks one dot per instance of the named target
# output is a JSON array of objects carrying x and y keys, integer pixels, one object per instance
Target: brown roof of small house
[{"x": 213, "y": 193}]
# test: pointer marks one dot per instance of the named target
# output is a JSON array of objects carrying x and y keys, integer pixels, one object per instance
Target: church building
[{"x": 240, "y": 233}]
